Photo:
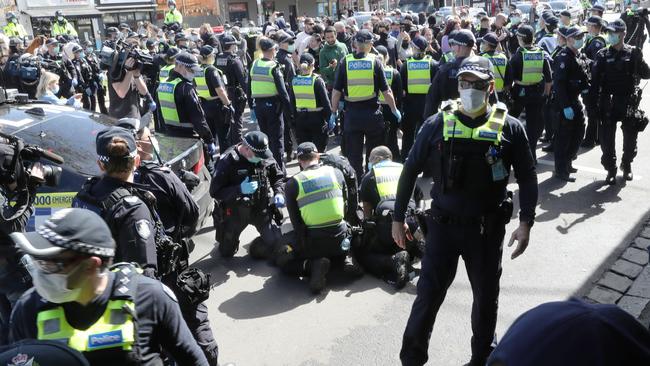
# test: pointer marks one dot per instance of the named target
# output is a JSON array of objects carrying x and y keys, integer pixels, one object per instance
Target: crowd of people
[{"x": 403, "y": 95}]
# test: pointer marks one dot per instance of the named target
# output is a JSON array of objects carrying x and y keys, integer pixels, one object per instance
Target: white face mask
[
  {"x": 291, "y": 48},
  {"x": 60, "y": 19},
  {"x": 472, "y": 99},
  {"x": 53, "y": 287}
]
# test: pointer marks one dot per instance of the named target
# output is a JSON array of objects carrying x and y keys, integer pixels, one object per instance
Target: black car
[{"x": 71, "y": 133}]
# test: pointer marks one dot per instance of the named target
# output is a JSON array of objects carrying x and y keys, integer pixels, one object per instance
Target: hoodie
[{"x": 328, "y": 53}]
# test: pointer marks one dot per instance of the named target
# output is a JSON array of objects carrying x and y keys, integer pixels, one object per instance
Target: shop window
[{"x": 238, "y": 11}]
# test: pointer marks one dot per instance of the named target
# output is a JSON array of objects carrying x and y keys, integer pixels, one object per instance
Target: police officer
[
  {"x": 284, "y": 58},
  {"x": 597, "y": 10},
  {"x": 111, "y": 314},
  {"x": 359, "y": 80},
  {"x": 181, "y": 41},
  {"x": 593, "y": 44},
  {"x": 97, "y": 79},
  {"x": 236, "y": 81},
  {"x": 569, "y": 81},
  {"x": 317, "y": 216},
  {"x": 309, "y": 96},
  {"x": 13, "y": 28},
  {"x": 173, "y": 16},
  {"x": 636, "y": 20},
  {"x": 499, "y": 61},
  {"x": 53, "y": 54},
  {"x": 530, "y": 71},
  {"x": 115, "y": 197},
  {"x": 548, "y": 41},
  {"x": 551, "y": 115},
  {"x": 417, "y": 74},
  {"x": 471, "y": 148},
  {"x": 242, "y": 198},
  {"x": 445, "y": 84},
  {"x": 167, "y": 69},
  {"x": 394, "y": 80},
  {"x": 271, "y": 102},
  {"x": 214, "y": 98},
  {"x": 61, "y": 26},
  {"x": 180, "y": 105},
  {"x": 615, "y": 74},
  {"x": 379, "y": 254},
  {"x": 112, "y": 35},
  {"x": 86, "y": 84},
  {"x": 565, "y": 19}
]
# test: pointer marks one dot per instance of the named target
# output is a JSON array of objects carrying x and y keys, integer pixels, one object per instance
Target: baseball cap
[
  {"x": 594, "y": 20},
  {"x": 206, "y": 50},
  {"x": 491, "y": 39},
  {"x": 106, "y": 136},
  {"x": 477, "y": 66},
  {"x": 74, "y": 229},
  {"x": 617, "y": 25},
  {"x": 188, "y": 60},
  {"x": 306, "y": 148},
  {"x": 267, "y": 44},
  {"x": 572, "y": 31},
  {"x": 363, "y": 36},
  {"x": 284, "y": 37},
  {"x": 172, "y": 52},
  {"x": 525, "y": 31},
  {"x": 463, "y": 37},
  {"x": 420, "y": 42},
  {"x": 307, "y": 58},
  {"x": 42, "y": 353},
  {"x": 259, "y": 143},
  {"x": 228, "y": 40}
]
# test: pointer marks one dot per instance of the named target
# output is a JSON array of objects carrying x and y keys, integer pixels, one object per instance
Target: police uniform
[
  {"x": 531, "y": 71},
  {"x": 468, "y": 213},
  {"x": 360, "y": 79},
  {"x": 13, "y": 29},
  {"x": 236, "y": 84},
  {"x": 615, "y": 74},
  {"x": 637, "y": 22},
  {"x": 284, "y": 58},
  {"x": 499, "y": 62},
  {"x": 97, "y": 77},
  {"x": 394, "y": 80},
  {"x": 173, "y": 16},
  {"x": 235, "y": 210},
  {"x": 63, "y": 28},
  {"x": 593, "y": 45},
  {"x": 417, "y": 75},
  {"x": 569, "y": 81}
]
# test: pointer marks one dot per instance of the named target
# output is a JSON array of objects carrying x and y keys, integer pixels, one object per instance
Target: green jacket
[{"x": 336, "y": 51}]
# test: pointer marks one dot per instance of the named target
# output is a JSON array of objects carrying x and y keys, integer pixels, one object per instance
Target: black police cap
[
  {"x": 565, "y": 13},
  {"x": 188, "y": 60},
  {"x": 258, "y": 142},
  {"x": 491, "y": 39},
  {"x": 206, "y": 50},
  {"x": 617, "y": 25},
  {"x": 41, "y": 353},
  {"x": 363, "y": 36},
  {"x": 267, "y": 44},
  {"x": 228, "y": 40},
  {"x": 306, "y": 148},
  {"x": 594, "y": 20},
  {"x": 525, "y": 31},
  {"x": 105, "y": 137}
]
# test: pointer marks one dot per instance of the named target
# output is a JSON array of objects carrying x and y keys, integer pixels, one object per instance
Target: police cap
[
  {"x": 228, "y": 40},
  {"x": 491, "y": 39},
  {"x": 123, "y": 26},
  {"x": 172, "y": 52},
  {"x": 477, "y": 66},
  {"x": 572, "y": 31},
  {"x": 549, "y": 18},
  {"x": 525, "y": 31},
  {"x": 565, "y": 13},
  {"x": 382, "y": 51},
  {"x": 306, "y": 148},
  {"x": 106, "y": 137},
  {"x": 307, "y": 58},
  {"x": 464, "y": 37},
  {"x": 258, "y": 142},
  {"x": 42, "y": 353},
  {"x": 189, "y": 61},
  {"x": 112, "y": 30},
  {"x": 284, "y": 37},
  {"x": 363, "y": 36},
  {"x": 594, "y": 20},
  {"x": 617, "y": 26},
  {"x": 420, "y": 42},
  {"x": 51, "y": 41},
  {"x": 180, "y": 37},
  {"x": 151, "y": 43},
  {"x": 597, "y": 7},
  {"x": 267, "y": 44},
  {"x": 206, "y": 50}
]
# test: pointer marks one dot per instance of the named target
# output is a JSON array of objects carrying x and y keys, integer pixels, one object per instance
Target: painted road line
[{"x": 583, "y": 168}]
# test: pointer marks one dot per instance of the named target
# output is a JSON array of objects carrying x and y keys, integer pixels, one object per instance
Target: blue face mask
[
  {"x": 82, "y": 54},
  {"x": 370, "y": 165},
  {"x": 578, "y": 43},
  {"x": 254, "y": 159},
  {"x": 613, "y": 38},
  {"x": 56, "y": 89}
]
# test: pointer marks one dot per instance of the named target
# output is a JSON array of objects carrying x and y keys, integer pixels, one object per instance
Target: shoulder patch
[
  {"x": 131, "y": 199},
  {"x": 169, "y": 292},
  {"x": 562, "y": 65},
  {"x": 143, "y": 228}
]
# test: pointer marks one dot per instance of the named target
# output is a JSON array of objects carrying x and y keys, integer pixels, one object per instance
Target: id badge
[{"x": 498, "y": 171}]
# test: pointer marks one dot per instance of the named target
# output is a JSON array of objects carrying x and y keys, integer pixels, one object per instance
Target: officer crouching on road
[
  {"x": 312, "y": 104},
  {"x": 615, "y": 74},
  {"x": 569, "y": 81},
  {"x": 236, "y": 81},
  {"x": 112, "y": 314},
  {"x": 471, "y": 148},
  {"x": 316, "y": 203},
  {"x": 379, "y": 254},
  {"x": 246, "y": 178}
]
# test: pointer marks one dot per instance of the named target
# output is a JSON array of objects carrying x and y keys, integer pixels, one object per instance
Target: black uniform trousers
[
  {"x": 101, "y": 99},
  {"x": 219, "y": 122},
  {"x": 14, "y": 281},
  {"x": 550, "y": 121},
  {"x": 391, "y": 125},
  {"x": 270, "y": 119},
  {"x": 593, "y": 118},
  {"x": 413, "y": 112},
  {"x": 613, "y": 109},
  {"x": 88, "y": 101},
  {"x": 532, "y": 101},
  {"x": 311, "y": 126},
  {"x": 568, "y": 137},
  {"x": 362, "y": 124},
  {"x": 318, "y": 244},
  {"x": 238, "y": 99},
  {"x": 235, "y": 219},
  {"x": 289, "y": 136},
  {"x": 481, "y": 253}
]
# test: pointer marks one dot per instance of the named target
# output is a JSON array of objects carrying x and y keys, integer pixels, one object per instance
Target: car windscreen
[{"x": 558, "y": 5}]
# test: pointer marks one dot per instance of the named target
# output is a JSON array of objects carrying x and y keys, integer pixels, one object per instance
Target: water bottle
[{"x": 345, "y": 244}]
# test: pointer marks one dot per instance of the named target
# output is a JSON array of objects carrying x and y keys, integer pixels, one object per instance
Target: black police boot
[
  {"x": 259, "y": 250},
  {"x": 627, "y": 171},
  {"x": 572, "y": 169},
  {"x": 400, "y": 269},
  {"x": 588, "y": 143},
  {"x": 611, "y": 177},
  {"x": 564, "y": 176},
  {"x": 351, "y": 267},
  {"x": 318, "y": 274},
  {"x": 548, "y": 148}
]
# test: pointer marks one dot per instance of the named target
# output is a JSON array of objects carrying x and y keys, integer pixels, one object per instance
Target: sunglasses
[{"x": 478, "y": 84}]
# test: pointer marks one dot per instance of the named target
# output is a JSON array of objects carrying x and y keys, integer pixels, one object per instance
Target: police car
[{"x": 71, "y": 133}]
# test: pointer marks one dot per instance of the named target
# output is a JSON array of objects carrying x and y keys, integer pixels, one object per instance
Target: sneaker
[
  {"x": 351, "y": 267},
  {"x": 400, "y": 268},
  {"x": 318, "y": 273}
]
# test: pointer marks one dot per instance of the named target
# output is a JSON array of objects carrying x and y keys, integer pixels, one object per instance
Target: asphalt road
[{"x": 262, "y": 317}]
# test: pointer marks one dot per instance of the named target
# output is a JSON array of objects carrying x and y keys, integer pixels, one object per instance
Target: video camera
[
  {"x": 23, "y": 159},
  {"x": 114, "y": 59}
]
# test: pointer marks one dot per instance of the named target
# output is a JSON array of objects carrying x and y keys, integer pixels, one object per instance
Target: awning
[
  {"x": 124, "y": 8},
  {"x": 69, "y": 13}
]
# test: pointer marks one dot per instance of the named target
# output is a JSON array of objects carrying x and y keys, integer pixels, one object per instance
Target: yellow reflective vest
[
  {"x": 262, "y": 82},
  {"x": 303, "y": 90},
  {"x": 320, "y": 197},
  {"x": 166, "y": 92},
  {"x": 201, "y": 82},
  {"x": 360, "y": 78},
  {"x": 388, "y": 71},
  {"x": 64, "y": 28},
  {"x": 419, "y": 75},
  {"x": 533, "y": 66},
  {"x": 164, "y": 73},
  {"x": 500, "y": 62},
  {"x": 173, "y": 16},
  {"x": 491, "y": 130},
  {"x": 14, "y": 30},
  {"x": 386, "y": 177}
]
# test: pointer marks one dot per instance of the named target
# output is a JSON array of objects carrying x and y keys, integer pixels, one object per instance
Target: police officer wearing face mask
[
  {"x": 243, "y": 199},
  {"x": 471, "y": 148},
  {"x": 284, "y": 58},
  {"x": 236, "y": 81},
  {"x": 96, "y": 79},
  {"x": 569, "y": 81},
  {"x": 173, "y": 16},
  {"x": 499, "y": 61},
  {"x": 615, "y": 74},
  {"x": 113, "y": 315},
  {"x": 594, "y": 42},
  {"x": 13, "y": 28},
  {"x": 60, "y": 26}
]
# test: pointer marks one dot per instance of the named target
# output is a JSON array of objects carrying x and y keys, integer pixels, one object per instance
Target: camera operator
[
  {"x": 124, "y": 93},
  {"x": 15, "y": 186}
]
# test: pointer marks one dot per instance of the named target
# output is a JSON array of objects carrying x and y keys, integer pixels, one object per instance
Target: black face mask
[
  {"x": 405, "y": 45},
  {"x": 340, "y": 36},
  {"x": 383, "y": 35}
]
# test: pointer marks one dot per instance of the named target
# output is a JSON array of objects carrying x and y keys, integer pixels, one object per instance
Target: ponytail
[{"x": 305, "y": 68}]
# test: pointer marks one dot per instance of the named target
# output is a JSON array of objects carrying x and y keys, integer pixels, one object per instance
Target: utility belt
[
  {"x": 501, "y": 215},
  {"x": 307, "y": 110},
  {"x": 193, "y": 285}
]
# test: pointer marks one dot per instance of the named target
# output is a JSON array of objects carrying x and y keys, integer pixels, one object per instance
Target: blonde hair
[
  {"x": 306, "y": 69},
  {"x": 46, "y": 79}
]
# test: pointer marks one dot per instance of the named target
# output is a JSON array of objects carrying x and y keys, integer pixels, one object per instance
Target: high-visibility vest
[
  {"x": 164, "y": 73},
  {"x": 262, "y": 82},
  {"x": 448, "y": 57},
  {"x": 491, "y": 130},
  {"x": 533, "y": 66},
  {"x": 386, "y": 177},
  {"x": 201, "y": 82},
  {"x": 388, "y": 71},
  {"x": 361, "y": 78},
  {"x": 173, "y": 16},
  {"x": 63, "y": 29},
  {"x": 168, "y": 104},
  {"x": 14, "y": 30},
  {"x": 419, "y": 75},
  {"x": 320, "y": 197},
  {"x": 500, "y": 62},
  {"x": 303, "y": 90}
]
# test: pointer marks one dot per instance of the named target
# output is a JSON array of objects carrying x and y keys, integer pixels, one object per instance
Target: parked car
[{"x": 575, "y": 8}]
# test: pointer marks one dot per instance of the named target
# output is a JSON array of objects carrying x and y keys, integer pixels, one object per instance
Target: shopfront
[
  {"x": 116, "y": 12},
  {"x": 81, "y": 13}
]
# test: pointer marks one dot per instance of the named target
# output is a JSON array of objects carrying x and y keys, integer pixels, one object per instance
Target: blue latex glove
[
  {"x": 398, "y": 115},
  {"x": 74, "y": 83},
  {"x": 331, "y": 123},
  {"x": 278, "y": 201},
  {"x": 253, "y": 116},
  {"x": 568, "y": 113},
  {"x": 212, "y": 148},
  {"x": 248, "y": 187},
  {"x": 152, "y": 106}
]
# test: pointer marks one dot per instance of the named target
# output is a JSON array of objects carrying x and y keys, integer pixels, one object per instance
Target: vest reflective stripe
[
  {"x": 449, "y": 57},
  {"x": 419, "y": 75},
  {"x": 201, "y": 81},
  {"x": 361, "y": 78},
  {"x": 491, "y": 130},
  {"x": 500, "y": 62},
  {"x": 386, "y": 177},
  {"x": 164, "y": 73},
  {"x": 303, "y": 90},
  {"x": 14, "y": 30},
  {"x": 115, "y": 328},
  {"x": 320, "y": 197},
  {"x": 168, "y": 104},
  {"x": 533, "y": 66},
  {"x": 262, "y": 83},
  {"x": 388, "y": 71}
]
